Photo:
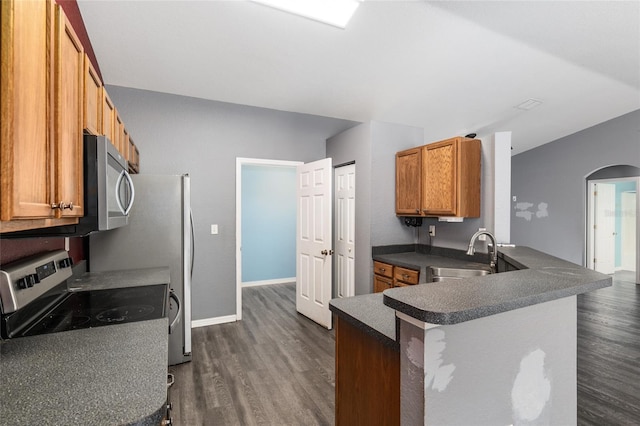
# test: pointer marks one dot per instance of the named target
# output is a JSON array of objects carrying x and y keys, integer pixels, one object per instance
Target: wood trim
[{"x": 25, "y": 224}]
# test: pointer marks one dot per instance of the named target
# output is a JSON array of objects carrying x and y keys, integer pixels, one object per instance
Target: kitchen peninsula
[{"x": 494, "y": 349}]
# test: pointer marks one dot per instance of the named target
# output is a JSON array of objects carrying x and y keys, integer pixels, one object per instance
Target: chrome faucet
[{"x": 494, "y": 249}]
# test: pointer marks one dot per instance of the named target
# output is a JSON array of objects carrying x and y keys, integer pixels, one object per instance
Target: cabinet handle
[
  {"x": 382, "y": 269},
  {"x": 62, "y": 206},
  {"x": 417, "y": 210},
  {"x": 405, "y": 276}
]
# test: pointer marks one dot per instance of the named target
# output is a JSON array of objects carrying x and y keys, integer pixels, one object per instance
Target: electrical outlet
[
  {"x": 482, "y": 237},
  {"x": 515, "y": 198},
  {"x": 214, "y": 229},
  {"x": 432, "y": 230}
]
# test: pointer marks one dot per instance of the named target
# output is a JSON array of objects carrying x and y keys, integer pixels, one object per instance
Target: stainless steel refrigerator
[{"x": 159, "y": 234}]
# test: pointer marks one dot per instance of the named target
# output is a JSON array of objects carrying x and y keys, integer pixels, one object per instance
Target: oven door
[{"x": 116, "y": 192}]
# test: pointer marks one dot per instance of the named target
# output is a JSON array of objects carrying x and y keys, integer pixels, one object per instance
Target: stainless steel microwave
[
  {"x": 109, "y": 190},
  {"x": 108, "y": 193}
]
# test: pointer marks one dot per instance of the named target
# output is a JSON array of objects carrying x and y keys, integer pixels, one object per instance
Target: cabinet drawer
[
  {"x": 409, "y": 276},
  {"x": 381, "y": 283},
  {"x": 401, "y": 284},
  {"x": 383, "y": 269}
]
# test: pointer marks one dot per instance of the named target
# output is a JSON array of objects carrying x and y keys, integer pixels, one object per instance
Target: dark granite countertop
[
  {"x": 450, "y": 302},
  {"x": 97, "y": 376},
  {"x": 541, "y": 278},
  {"x": 368, "y": 313},
  {"x": 422, "y": 262}
]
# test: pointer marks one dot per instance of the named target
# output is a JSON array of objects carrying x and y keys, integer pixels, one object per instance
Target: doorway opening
[
  {"x": 612, "y": 239},
  {"x": 262, "y": 223}
]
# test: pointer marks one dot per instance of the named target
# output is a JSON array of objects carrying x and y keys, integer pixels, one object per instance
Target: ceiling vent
[{"x": 529, "y": 104}]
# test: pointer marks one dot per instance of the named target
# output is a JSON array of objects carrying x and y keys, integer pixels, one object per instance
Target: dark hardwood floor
[
  {"x": 609, "y": 354},
  {"x": 277, "y": 368}
]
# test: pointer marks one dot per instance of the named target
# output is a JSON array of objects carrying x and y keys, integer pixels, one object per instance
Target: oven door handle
[{"x": 175, "y": 322}]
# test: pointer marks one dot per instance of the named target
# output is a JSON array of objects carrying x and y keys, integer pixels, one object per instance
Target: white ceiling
[{"x": 450, "y": 67}]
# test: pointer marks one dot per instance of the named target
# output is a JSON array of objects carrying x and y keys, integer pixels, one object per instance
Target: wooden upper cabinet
[
  {"x": 408, "y": 182},
  {"x": 92, "y": 99},
  {"x": 439, "y": 179},
  {"x": 134, "y": 157},
  {"x": 439, "y": 167},
  {"x": 69, "y": 90},
  {"x": 451, "y": 178},
  {"x": 26, "y": 108},
  {"x": 108, "y": 116}
]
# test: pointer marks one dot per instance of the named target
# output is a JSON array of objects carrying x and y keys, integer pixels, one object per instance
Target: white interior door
[
  {"x": 604, "y": 227},
  {"x": 314, "y": 241},
  {"x": 628, "y": 230},
  {"x": 344, "y": 205}
]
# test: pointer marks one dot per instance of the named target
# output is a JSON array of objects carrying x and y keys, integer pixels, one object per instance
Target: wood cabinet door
[
  {"x": 125, "y": 144},
  {"x": 69, "y": 90},
  {"x": 408, "y": 182},
  {"x": 440, "y": 170},
  {"x": 26, "y": 109},
  {"x": 108, "y": 116},
  {"x": 134, "y": 157},
  {"x": 381, "y": 283},
  {"x": 92, "y": 99}
]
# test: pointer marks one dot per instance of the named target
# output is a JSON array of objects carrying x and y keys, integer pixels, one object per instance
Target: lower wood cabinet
[
  {"x": 404, "y": 276},
  {"x": 387, "y": 276},
  {"x": 367, "y": 378}
]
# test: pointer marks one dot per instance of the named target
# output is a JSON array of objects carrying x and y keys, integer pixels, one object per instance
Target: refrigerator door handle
[
  {"x": 193, "y": 243},
  {"x": 175, "y": 322}
]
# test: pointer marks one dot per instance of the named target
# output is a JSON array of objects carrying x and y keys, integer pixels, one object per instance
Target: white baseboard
[
  {"x": 213, "y": 321},
  {"x": 269, "y": 282}
]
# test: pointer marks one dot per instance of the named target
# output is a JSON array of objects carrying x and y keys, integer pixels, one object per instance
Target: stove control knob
[
  {"x": 34, "y": 279},
  {"x": 65, "y": 263},
  {"x": 23, "y": 283},
  {"x": 28, "y": 281}
]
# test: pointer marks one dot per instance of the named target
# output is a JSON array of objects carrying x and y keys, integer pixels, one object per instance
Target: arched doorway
[{"x": 612, "y": 234}]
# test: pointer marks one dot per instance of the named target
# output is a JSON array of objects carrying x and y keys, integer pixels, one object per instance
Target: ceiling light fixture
[{"x": 332, "y": 12}]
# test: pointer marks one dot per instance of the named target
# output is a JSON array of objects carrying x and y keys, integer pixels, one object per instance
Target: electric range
[{"x": 35, "y": 299}]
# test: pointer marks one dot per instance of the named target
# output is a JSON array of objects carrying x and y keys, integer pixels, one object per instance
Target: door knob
[{"x": 325, "y": 252}]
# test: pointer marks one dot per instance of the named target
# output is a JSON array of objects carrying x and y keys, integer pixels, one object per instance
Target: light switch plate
[
  {"x": 432, "y": 230},
  {"x": 214, "y": 229}
]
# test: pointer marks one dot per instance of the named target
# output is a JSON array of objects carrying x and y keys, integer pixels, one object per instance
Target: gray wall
[
  {"x": 373, "y": 146},
  {"x": 555, "y": 174},
  {"x": 177, "y": 134},
  {"x": 355, "y": 145},
  {"x": 387, "y": 139}
]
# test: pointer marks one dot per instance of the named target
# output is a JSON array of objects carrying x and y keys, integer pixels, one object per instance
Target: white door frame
[
  {"x": 239, "y": 163},
  {"x": 589, "y": 240}
]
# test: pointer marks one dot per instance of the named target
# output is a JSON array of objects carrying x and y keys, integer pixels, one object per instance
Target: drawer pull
[{"x": 382, "y": 270}]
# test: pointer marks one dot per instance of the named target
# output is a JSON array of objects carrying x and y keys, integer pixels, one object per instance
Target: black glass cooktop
[{"x": 98, "y": 308}]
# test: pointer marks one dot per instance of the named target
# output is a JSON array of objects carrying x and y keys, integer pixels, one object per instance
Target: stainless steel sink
[{"x": 441, "y": 274}]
